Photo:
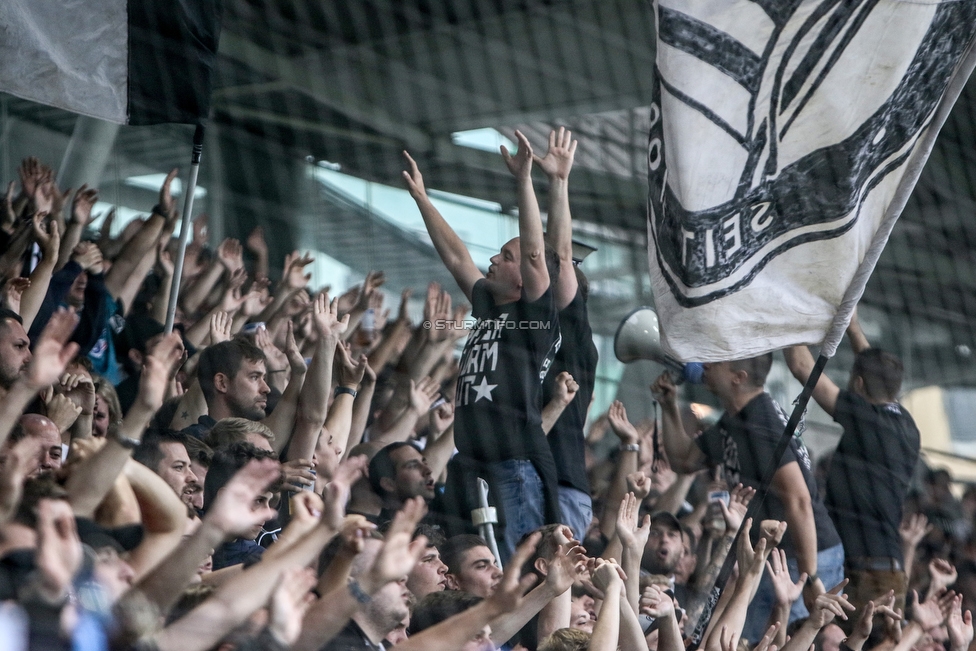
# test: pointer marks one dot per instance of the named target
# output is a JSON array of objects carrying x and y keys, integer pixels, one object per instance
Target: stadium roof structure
[{"x": 315, "y": 101}]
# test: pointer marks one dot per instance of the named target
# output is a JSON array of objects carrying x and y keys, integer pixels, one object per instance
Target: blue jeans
[
  {"x": 519, "y": 493},
  {"x": 830, "y": 569},
  {"x": 577, "y": 508}
]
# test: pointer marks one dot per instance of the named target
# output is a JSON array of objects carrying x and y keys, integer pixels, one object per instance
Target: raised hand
[
  {"x": 772, "y": 532},
  {"x": 374, "y": 280},
  {"x": 865, "y": 623},
  {"x": 784, "y": 588},
  {"x": 736, "y": 509},
  {"x": 623, "y": 428},
  {"x": 257, "y": 298},
  {"x": 510, "y": 591},
  {"x": 914, "y": 529},
  {"x": 298, "y": 475},
  {"x": 81, "y": 205},
  {"x": 157, "y": 369},
  {"x": 631, "y": 535},
  {"x": 960, "y": 626},
  {"x": 61, "y": 411},
  {"x": 751, "y": 560},
  {"x": 325, "y": 317},
  {"x": 276, "y": 358},
  {"x": 943, "y": 575},
  {"x": 289, "y": 602},
  {"x": 337, "y": 492},
  {"x": 559, "y": 159},
  {"x": 654, "y": 602},
  {"x": 349, "y": 372},
  {"x": 230, "y": 253},
  {"x": 520, "y": 165},
  {"x": 933, "y": 611},
  {"x": 52, "y": 352},
  {"x": 59, "y": 552},
  {"x": 414, "y": 179},
  {"x": 403, "y": 314},
  {"x": 255, "y": 242},
  {"x": 829, "y": 605},
  {"x": 47, "y": 235},
  {"x": 233, "y": 512},
  {"x": 220, "y": 326},
  {"x": 88, "y": 255},
  {"x": 422, "y": 394},
  {"x": 166, "y": 202},
  {"x": 567, "y": 563},
  {"x": 399, "y": 554},
  {"x": 296, "y": 361},
  {"x": 294, "y": 276},
  {"x": 639, "y": 484},
  {"x": 566, "y": 388},
  {"x": 665, "y": 391},
  {"x": 607, "y": 576},
  {"x": 13, "y": 290},
  {"x": 442, "y": 417}
]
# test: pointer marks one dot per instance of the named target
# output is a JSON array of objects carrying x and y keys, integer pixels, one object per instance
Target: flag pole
[
  {"x": 757, "y": 501},
  {"x": 186, "y": 227}
]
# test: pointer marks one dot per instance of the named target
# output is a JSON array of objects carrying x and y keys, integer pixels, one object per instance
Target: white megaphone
[{"x": 639, "y": 337}]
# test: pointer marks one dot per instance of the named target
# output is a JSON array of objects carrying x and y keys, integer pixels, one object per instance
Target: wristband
[
  {"x": 127, "y": 442},
  {"x": 351, "y": 392},
  {"x": 357, "y": 593},
  {"x": 812, "y": 579},
  {"x": 631, "y": 447}
]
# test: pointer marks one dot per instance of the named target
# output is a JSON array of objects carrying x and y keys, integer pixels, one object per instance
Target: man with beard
[
  {"x": 233, "y": 379},
  {"x": 15, "y": 352},
  {"x": 165, "y": 453},
  {"x": 665, "y": 545}
]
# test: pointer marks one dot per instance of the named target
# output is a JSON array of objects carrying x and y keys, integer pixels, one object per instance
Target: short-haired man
[
  {"x": 233, "y": 379},
  {"x": 742, "y": 443},
  {"x": 164, "y": 452},
  {"x": 471, "y": 567},
  {"x": 228, "y": 431},
  {"x": 439, "y": 607},
  {"x": 872, "y": 466},
  {"x": 429, "y": 574},
  {"x": 397, "y": 473},
  {"x": 15, "y": 352},
  {"x": 498, "y": 417},
  {"x": 223, "y": 467},
  {"x": 379, "y": 616}
]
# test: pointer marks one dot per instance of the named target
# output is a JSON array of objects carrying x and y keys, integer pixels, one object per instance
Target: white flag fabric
[
  {"x": 786, "y": 137},
  {"x": 124, "y": 61}
]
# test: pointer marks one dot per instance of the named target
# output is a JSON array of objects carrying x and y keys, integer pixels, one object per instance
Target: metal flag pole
[
  {"x": 186, "y": 228},
  {"x": 758, "y": 499},
  {"x": 485, "y": 518}
]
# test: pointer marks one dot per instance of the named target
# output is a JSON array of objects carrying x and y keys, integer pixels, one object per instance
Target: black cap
[{"x": 668, "y": 518}]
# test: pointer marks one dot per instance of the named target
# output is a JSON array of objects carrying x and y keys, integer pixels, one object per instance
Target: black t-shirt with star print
[{"x": 499, "y": 391}]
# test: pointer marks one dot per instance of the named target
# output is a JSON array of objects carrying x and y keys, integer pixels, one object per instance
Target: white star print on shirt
[{"x": 483, "y": 390}]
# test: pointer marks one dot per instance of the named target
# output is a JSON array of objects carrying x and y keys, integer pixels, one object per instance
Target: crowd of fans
[{"x": 291, "y": 470}]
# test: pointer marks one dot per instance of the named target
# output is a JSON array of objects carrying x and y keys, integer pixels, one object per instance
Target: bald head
[{"x": 46, "y": 435}]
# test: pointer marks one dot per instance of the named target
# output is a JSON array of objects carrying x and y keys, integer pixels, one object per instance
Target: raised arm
[
  {"x": 859, "y": 342},
  {"x": 349, "y": 374},
  {"x": 81, "y": 207},
  {"x": 565, "y": 390},
  {"x": 49, "y": 240},
  {"x": 683, "y": 454},
  {"x": 454, "y": 254},
  {"x": 559, "y": 229},
  {"x": 800, "y": 361},
  {"x": 532, "y": 245},
  {"x": 789, "y": 486},
  {"x": 281, "y": 421},
  {"x": 318, "y": 383}
]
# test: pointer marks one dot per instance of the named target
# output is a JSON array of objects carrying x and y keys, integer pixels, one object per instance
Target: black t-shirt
[
  {"x": 578, "y": 356},
  {"x": 352, "y": 638},
  {"x": 743, "y": 444},
  {"x": 869, "y": 475},
  {"x": 498, "y": 406}
]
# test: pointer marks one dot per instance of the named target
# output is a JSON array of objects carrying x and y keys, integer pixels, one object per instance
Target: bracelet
[
  {"x": 357, "y": 593},
  {"x": 351, "y": 392},
  {"x": 127, "y": 442},
  {"x": 812, "y": 579},
  {"x": 631, "y": 447}
]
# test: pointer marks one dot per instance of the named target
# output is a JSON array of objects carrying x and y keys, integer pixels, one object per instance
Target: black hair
[
  {"x": 225, "y": 357},
  {"x": 439, "y": 606},
  {"x": 381, "y": 465},
  {"x": 454, "y": 549},
  {"x": 149, "y": 453},
  {"x": 757, "y": 368},
  {"x": 881, "y": 372}
]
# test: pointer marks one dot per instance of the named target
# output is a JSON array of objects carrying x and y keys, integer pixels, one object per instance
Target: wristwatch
[{"x": 351, "y": 392}]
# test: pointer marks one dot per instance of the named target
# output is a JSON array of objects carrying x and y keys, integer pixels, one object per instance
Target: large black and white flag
[
  {"x": 125, "y": 61},
  {"x": 786, "y": 138}
]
